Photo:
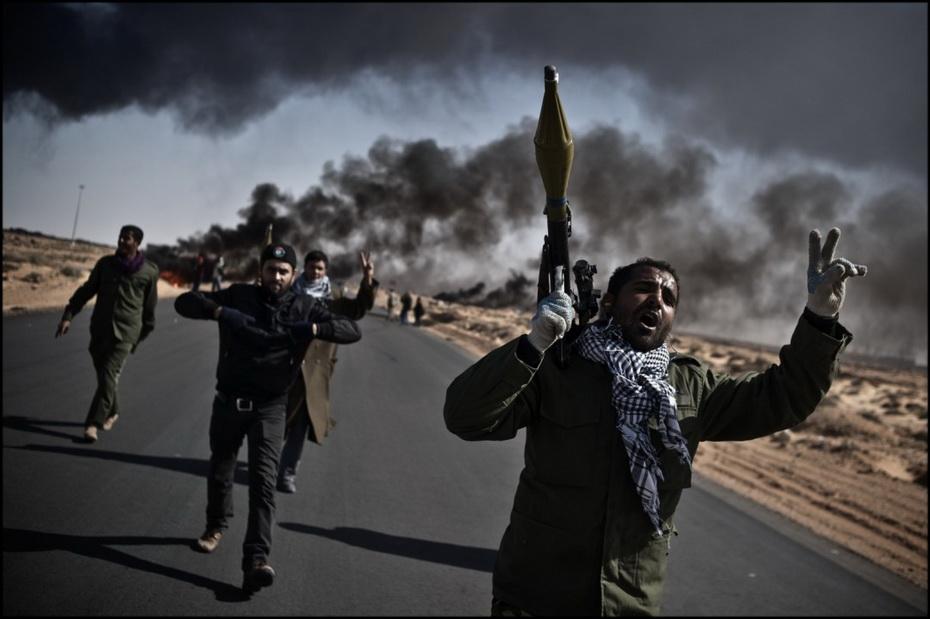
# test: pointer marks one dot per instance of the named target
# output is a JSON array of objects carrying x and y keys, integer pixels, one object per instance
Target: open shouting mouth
[{"x": 649, "y": 320}]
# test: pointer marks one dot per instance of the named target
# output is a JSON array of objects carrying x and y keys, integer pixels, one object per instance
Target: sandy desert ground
[{"x": 855, "y": 472}]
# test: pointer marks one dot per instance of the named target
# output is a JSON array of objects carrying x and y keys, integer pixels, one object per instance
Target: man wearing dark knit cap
[
  {"x": 126, "y": 286},
  {"x": 265, "y": 329}
]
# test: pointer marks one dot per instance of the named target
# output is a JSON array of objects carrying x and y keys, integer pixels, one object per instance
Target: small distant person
[
  {"x": 126, "y": 286},
  {"x": 264, "y": 329},
  {"x": 418, "y": 312},
  {"x": 611, "y": 434},
  {"x": 218, "y": 274},
  {"x": 406, "y": 301},
  {"x": 199, "y": 267},
  {"x": 308, "y": 408},
  {"x": 391, "y": 304}
]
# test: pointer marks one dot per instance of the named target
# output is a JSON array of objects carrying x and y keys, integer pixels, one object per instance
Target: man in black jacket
[{"x": 264, "y": 331}]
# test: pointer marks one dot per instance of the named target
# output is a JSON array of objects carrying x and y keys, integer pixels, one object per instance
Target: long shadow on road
[
  {"x": 23, "y": 540},
  {"x": 468, "y": 557},
  {"x": 27, "y": 424},
  {"x": 192, "y": 466}
]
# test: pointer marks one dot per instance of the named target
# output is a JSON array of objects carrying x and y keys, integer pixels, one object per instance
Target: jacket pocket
[
  {"x": 562, "y": 446},
  {"x": 642, "y": 569},
  {"x": 557, "y": 569}
]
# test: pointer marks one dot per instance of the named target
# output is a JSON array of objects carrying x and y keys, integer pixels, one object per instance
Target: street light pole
[{"x": 76, "y": 213}]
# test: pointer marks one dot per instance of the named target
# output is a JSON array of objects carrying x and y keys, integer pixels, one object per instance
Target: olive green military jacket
[
  {"x": 579, "y": 542},
  {"x": 125, "y": 306}
]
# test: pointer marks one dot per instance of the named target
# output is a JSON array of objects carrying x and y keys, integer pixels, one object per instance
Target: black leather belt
[{"x": 245, "y": 405}]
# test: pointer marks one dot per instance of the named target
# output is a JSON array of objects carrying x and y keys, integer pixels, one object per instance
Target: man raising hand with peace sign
[{"x": 611, "y": 434}]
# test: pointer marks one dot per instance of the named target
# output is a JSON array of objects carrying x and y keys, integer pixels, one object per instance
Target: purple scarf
[{"x": 130, "y": 266}]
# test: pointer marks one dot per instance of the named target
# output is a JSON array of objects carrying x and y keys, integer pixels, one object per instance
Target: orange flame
[{"x": 175, "y": 279}]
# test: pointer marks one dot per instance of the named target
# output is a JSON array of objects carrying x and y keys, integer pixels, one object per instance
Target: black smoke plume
[
  {"x": 462, "y": 295},
  {"x": 517, "y": 291},
  {"x": 847, "y": 82},
  {"x": 439, "y": 219}
]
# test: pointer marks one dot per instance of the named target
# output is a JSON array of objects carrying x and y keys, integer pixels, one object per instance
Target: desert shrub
[
  {"x": 10, "y": 265},
  {"x": 32, "y": 277},
  {"x": 444, "y": 317},
  {"x": 41, "y": 259},
  {"x": 70, "y": 271}
]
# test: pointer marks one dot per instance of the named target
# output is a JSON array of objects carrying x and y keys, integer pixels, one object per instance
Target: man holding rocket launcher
[{"x": 614, "y": 419}]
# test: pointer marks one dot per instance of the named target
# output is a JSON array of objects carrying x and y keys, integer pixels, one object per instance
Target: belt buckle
[{"x": 243, "y": 405}]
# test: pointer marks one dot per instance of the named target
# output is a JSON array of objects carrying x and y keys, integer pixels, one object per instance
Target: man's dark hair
[
  {"x": 624, "y": 274},
  {"x": 135, "y": 231},
  {"x": 315, "y": 256}
]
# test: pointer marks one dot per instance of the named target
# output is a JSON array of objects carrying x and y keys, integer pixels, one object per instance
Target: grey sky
[{"x": 171, "y": 115}]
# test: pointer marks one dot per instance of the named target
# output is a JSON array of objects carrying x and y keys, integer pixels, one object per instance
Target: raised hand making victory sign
[{"x": 826, "y": 276}]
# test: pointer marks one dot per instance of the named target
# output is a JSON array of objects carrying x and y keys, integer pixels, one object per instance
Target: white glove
[
  {"x": 826, "y": 277},
  {"x": 554, "y": 315}
]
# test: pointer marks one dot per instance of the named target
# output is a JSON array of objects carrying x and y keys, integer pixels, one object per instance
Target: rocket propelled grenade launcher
[
  {"x": 269, "y": 236},
  {"x": 269, "y": 239},
  {"x": 555, "y": 151}
]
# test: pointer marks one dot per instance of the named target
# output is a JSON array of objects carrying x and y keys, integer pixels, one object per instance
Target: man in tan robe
[{"x": 308, "y": 407}]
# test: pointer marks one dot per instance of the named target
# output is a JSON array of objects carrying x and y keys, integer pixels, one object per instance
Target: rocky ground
[{"x": 855, "y": 472}]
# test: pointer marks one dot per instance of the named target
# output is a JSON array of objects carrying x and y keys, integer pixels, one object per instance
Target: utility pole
[{"x": 76, "y": 213}]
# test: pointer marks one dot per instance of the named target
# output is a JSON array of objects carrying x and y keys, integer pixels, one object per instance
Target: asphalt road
[{"x": 393, "y": 515}]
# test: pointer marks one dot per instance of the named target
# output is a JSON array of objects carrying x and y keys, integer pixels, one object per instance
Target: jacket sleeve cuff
[
  {"x": 325, "y": 330},
  {"x": 822, "y": 323},
  {"x": 811, "y": 337},
  {"x": 527, "y": 354},
  {"x": 209, "y": 307}
]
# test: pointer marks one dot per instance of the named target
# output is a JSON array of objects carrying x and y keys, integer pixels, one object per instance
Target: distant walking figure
[
  {"x": 218, "y": 274},
  {"x": 405, "y": 302},
  {"x": 199, "y": 267},
  {"x": 391, "y": 304}
]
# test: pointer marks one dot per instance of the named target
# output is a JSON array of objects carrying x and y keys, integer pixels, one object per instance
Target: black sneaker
[
  {"x": 259, "y": 575},
  {"x": 287, "y": 485}
]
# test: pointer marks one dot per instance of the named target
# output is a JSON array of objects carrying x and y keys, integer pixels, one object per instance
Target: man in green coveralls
[
  {"x": 126, "y": 285},
  {"x": 610, "y": 436}
]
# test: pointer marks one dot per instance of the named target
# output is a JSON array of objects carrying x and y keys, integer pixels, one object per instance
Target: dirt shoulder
[{"x": 41, "y": 273}]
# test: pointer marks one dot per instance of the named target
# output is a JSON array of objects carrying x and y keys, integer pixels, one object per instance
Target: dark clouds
[{"x": 846, "y": 82}]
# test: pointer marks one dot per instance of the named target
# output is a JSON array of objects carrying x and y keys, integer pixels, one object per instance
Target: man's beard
[
  {"x": 644, "y": 342},
  {"x": 273, "y": 293}
]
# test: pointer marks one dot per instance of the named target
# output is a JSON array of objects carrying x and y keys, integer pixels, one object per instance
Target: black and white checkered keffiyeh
[
  {"x": 318, "y": 288},
  {"x": 640, "y": 391}
]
